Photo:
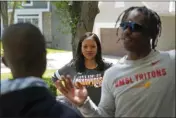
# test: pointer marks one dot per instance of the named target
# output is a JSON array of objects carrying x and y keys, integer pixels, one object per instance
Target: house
[
  {"x": 104, "y": 25},
  {"x": 43, "y": 14}
]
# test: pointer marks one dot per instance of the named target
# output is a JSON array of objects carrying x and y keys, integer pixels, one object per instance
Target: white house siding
[{"x": 109, "y": 11}]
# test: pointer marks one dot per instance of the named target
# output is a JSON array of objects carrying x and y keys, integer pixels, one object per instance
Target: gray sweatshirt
[{"x": 141, "y": 88}]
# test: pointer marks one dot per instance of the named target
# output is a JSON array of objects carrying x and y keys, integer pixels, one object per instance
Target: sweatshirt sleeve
[
  {"x": 55, "y": 76},
  {"x": 106, "y": 107},
  {"x": 66, "y": 69},
  {"x": 172, "y": 55}
]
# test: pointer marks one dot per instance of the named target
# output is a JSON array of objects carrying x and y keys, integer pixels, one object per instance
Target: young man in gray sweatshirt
[{"x": 142, "y": 83}]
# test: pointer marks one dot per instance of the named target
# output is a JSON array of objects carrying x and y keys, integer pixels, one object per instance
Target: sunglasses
[{"x": 134, "y": 27}]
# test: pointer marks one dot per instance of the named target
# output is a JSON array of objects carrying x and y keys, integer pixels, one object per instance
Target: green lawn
[
  {"x": 49, "y": 50},
  {"x": 47, "y": 74},
  {"x": 46, "y": 77}
]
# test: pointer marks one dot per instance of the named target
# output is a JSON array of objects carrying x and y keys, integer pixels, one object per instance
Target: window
[
  {"x": 20, "y": 20},
  {"x": 27, "y": 3},
  {"x": 33, "y": 19}
]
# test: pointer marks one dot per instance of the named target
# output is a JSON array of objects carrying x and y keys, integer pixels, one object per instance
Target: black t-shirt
[{"x": 91, "y": 78}]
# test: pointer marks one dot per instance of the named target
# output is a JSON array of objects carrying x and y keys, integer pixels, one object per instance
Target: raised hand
[{"x": 76, "y": 93}]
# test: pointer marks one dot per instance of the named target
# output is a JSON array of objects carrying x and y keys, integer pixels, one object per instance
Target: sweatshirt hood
[{"x": 10, "y": 85}]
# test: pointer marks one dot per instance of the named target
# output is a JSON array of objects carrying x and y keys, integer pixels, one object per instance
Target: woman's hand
[{"x": 76, "y": 93}]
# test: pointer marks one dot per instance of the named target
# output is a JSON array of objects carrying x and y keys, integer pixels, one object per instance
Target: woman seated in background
[{"x": 87, "y": 68}]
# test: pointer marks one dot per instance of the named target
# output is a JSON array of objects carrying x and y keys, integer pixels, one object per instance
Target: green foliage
[
  {"x": 51, "y": 86},
  {"x": 1, "y": 48},
  {"x": 18, "y": 4},
  {"x": 46, "y": 77},
  {"x": 62, "y": 11},
  {"x": 67, "y": 16}
]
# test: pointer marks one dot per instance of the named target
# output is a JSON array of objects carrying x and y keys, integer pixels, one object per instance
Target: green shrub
[
  {"x": 1, "y": 48},
  {"x": 46, "y": 78},
  {"x": 51, "y": 86}
]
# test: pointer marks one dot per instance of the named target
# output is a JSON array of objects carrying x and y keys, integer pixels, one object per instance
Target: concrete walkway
[{"x": 58, "y": 60}]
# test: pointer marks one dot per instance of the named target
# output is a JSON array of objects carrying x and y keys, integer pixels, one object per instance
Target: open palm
[{"x": 76, "y": 93}]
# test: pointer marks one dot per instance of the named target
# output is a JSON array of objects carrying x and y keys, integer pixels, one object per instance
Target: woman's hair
[
  {"x": 152, "y": 21},
  {"x": 79, "y": 60}
]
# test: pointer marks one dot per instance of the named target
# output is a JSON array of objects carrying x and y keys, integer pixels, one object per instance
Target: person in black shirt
[{"x": 88, "y": 67}]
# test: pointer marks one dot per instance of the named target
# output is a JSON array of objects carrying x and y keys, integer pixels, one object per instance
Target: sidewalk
[{"x": 58, "y": 60}]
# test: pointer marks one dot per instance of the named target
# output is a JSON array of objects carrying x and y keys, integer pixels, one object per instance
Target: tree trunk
[
  {"x": 13, "y": 12},
  {"x": 4, "y": 13},
  {"x": 89, "y": 10}
]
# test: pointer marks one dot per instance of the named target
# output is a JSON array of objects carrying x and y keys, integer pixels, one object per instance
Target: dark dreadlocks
[{"x": 152, "y": 21}]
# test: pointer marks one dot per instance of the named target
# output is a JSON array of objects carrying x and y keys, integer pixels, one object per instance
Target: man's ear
[{"x": 4, "y": 61}]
